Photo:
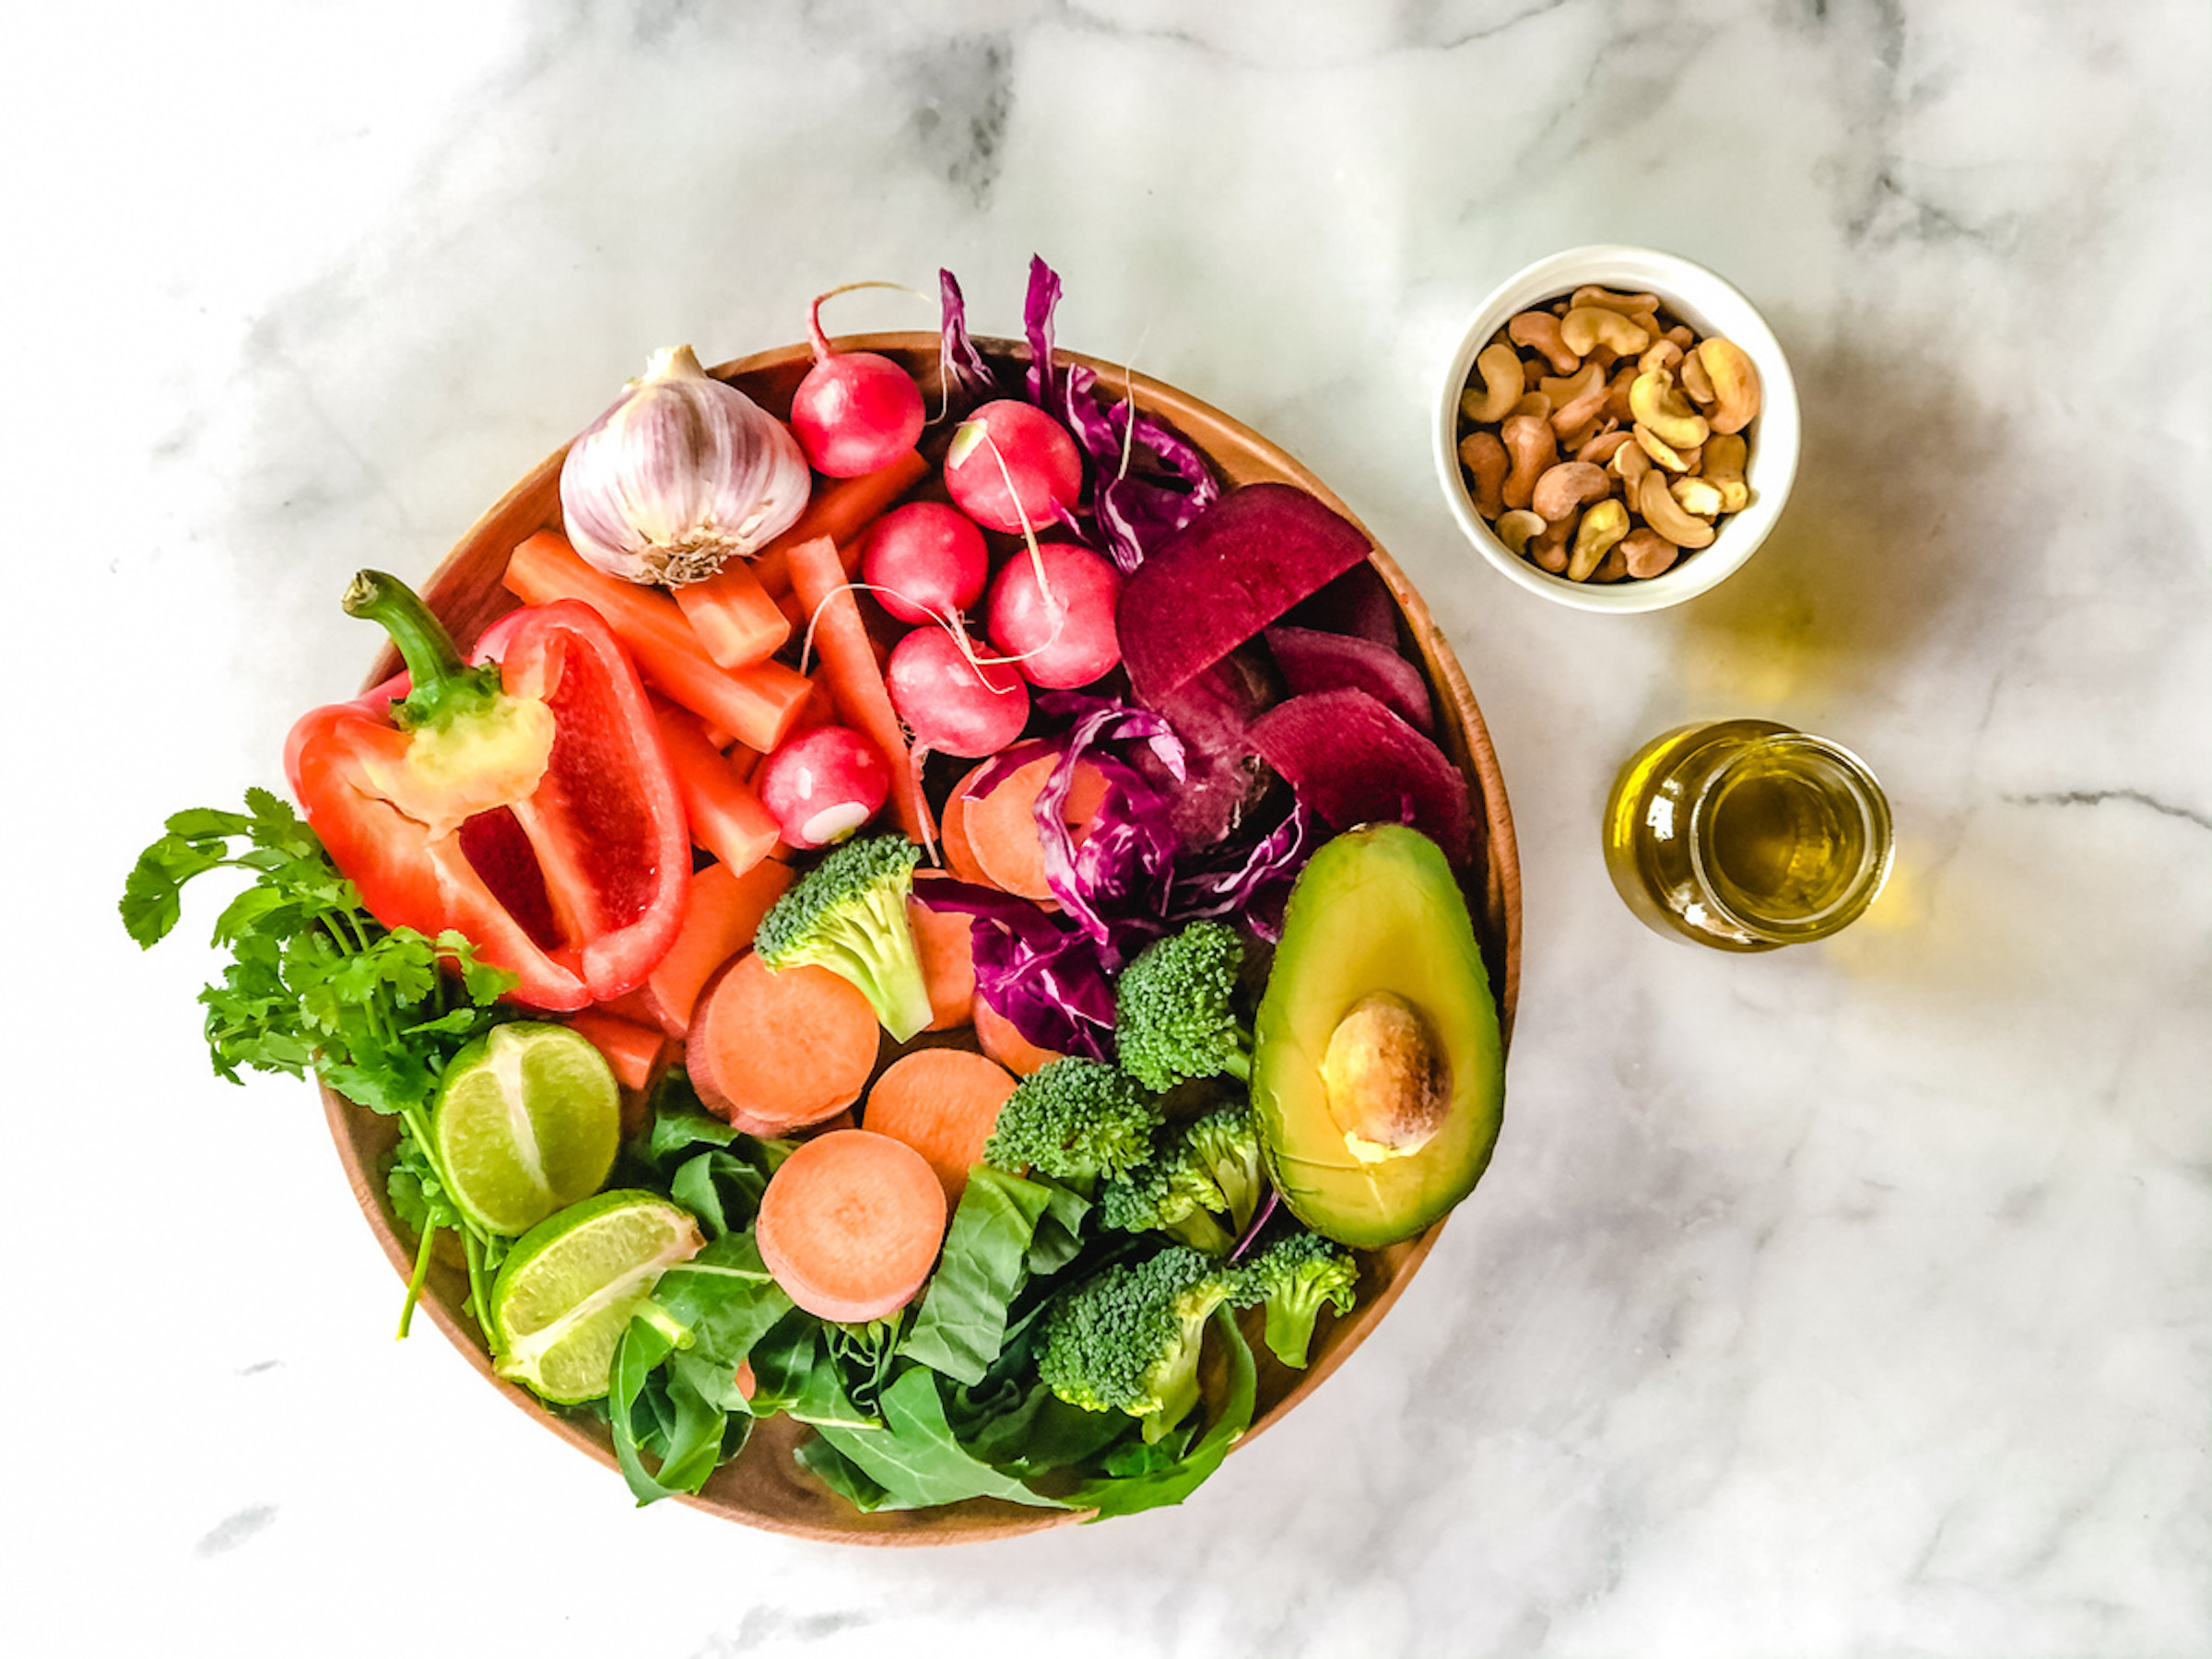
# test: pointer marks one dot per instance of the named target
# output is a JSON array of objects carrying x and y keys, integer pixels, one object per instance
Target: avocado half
[{"x": 1376, "y": 924}]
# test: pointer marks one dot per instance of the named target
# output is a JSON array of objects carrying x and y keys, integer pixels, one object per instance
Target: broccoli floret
[
  {"x": 848, "y": 915},
  {"x": 1296, "y": 1273},
  {"x": 1172, "y": 1017},
  {"x": 1127, "y": 1338},
  {"x": 1075, "y": 1119},
  {"x": 1200, "y": 1187}
]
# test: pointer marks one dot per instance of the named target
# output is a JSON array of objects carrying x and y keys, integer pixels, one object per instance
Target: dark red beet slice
[
  {"x": 1213, "y": 715},
  {"x": 1357, "y": 602},
  {"x": 1354, "y": 762},
  {"x": 1313, "y": 661},
  {"x": 1226, "y": 575}
]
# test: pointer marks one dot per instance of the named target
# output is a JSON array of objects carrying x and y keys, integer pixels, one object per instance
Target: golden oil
[{"x": 1745, "y": 835}]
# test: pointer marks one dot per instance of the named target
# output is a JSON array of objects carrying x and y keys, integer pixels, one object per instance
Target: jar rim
[{"x": 1864, "y": 792}]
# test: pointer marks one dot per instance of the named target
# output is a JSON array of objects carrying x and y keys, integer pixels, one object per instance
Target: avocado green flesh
[{"x": 1376, "y": 909}]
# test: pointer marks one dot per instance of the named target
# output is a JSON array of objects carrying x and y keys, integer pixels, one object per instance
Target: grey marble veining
[{"x": 1847, "y": 1301}]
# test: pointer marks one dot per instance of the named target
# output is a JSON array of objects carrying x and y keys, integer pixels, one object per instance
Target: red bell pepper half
[{"x": 526, "y": 801}]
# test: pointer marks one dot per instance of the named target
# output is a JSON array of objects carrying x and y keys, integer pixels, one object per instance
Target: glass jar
[{"x": 1745, "y": 835}]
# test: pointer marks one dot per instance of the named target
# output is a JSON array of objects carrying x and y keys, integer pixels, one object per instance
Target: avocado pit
[{"x": 1384, "y": 1079}]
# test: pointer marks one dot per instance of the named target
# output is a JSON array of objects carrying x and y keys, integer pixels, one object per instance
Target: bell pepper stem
[{"x": 442, "y": 683}]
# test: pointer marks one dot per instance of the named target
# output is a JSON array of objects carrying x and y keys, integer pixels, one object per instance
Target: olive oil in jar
[{"x": 1745, "y": 835}]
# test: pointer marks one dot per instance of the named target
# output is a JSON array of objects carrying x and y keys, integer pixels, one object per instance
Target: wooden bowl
[{"x": 764, "y": 1487}]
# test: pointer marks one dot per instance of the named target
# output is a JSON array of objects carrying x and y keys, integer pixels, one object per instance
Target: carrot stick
[
  {"x": 851, "y": 1224},
  {"x": 755, "y": 705},
  {"x": 776, "y": 1051},
  {"x": 855, "y": 682},
  {"x": 944, "y": 940},
  {"x": 1001, "y": 827},
  {"x": 634, "y": 1051},
  {"x": 996, "y": 1035},
  {"x": 630, "y": 1006},
  {"x": 840, "y": 510},
  {"x": 720, "y": 914},
  {"x": 942, "y": 1102},
  {"x": 727, "y": 816},
  {"x": 735, "y": 618}
]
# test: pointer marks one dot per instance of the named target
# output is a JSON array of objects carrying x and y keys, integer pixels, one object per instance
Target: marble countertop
[{"x": 1850, "y": 1301}]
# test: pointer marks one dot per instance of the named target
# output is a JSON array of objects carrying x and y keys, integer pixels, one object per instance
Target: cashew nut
[
  {"x": 1549, "y": 549},
  {"x": 1498, "y": 367},
  {"x": 1727, "y": 455},
  {"x": 1647, "y": 553},
  {"x": 1612, "y": 567},
  {"x": 1628, "y": 305},
  {"x": 1616, "y": 393},
  {"x": 1577, "y": 400},
  {"x": 1601, "y": 448},
  {"x": 1734, "y": 385},
  {"x": 1630, "y": 463},
  {"x": 1665, "y": 514},
  {"x": 1540, "y": 331},
  {"x": 1682, "y": 334},
  {"x": 1587, "y": 432},
  {"x": 1532, "y": 403},
  {"x": 1568, "y": 486},
  {"x": 1532, "y": 448},
  {"x": 1483, "y": 455},
  {"x": 1586, "y": 327},
  {"x": 1602, "y": 527},
  {"x": 1661, "y": 408},
  {"x": 1515, "y": 529},
  {"x": 1695, "y": 380},
  {"x": 1697, "y": 496},
  {"x": 1665, "y": 454},
  {"x": 1659, "y": 358}
]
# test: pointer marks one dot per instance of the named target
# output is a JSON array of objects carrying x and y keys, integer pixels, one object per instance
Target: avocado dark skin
[{"x": 1378, "y": 1072}]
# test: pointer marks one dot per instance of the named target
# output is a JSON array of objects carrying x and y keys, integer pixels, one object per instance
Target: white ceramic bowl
[{"x": 1712, "y": 306}]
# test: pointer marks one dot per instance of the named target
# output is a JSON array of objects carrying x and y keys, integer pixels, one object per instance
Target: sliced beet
[
  {"x": 1212, "y": 715},
  {"x": 1226, "y": 575},
  {"x": 1353, "y": 761},
  {"x": 1357, "y": 602},
  {"x": 1313, "y": 661}
]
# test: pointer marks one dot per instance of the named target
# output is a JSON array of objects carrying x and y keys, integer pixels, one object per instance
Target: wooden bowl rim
[{"x": 356, "y": 1131}]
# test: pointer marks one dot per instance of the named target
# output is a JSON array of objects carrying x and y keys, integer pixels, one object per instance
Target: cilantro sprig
[{"x": 316, "y": 984}]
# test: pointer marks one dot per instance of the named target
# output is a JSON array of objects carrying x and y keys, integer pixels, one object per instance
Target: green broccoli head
[
  {"x": 1296, "y": 1273},
  {"x": 848, "y": 915},
  {"x": 1174, "y": 1019},
  {"x": 1075, "y": 1119},
  {"x": 1200, "y": 1187},
  {"x": 1127, "y": 1338}
]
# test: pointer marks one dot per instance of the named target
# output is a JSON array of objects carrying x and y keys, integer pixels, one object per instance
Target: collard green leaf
[{"x": 962, "y": 1322}]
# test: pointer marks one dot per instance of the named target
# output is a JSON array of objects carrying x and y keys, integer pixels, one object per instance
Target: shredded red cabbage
[{"x": 1055, "y": 983}]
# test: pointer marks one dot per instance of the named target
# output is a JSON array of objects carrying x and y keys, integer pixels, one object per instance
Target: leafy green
[
  {"x": 914, "y": 1456},
  {"x": 316, "y": 984},
  {"x": 962, "y": 1322},
  {"x": 1170, "y": 1484}
]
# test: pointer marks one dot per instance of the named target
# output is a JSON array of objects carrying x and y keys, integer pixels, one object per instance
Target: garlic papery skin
[{"x": 682, "y": 474}]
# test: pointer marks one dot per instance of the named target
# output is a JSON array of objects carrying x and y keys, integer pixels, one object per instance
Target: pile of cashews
[{"x": 1602, "y": 441}]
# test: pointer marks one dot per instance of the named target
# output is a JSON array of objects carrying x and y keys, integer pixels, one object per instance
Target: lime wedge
[
  {"x": 568, "y": 1288},
  {"x": 528, "y": 1121}
]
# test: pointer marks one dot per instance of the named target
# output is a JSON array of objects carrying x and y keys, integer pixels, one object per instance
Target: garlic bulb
[{"x": 681, "y": 474}]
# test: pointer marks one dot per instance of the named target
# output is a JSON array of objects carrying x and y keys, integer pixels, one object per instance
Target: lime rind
[{"x": 567, "y": 1290}]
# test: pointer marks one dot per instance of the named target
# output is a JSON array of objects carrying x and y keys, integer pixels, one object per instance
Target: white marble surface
[{"x": 1852, "y": 1301}]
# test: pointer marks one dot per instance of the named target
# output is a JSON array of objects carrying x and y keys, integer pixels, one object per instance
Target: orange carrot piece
[
  {"x": 996, "y": 1035},
  {"x": 943, "y": 1103},
  {"x": 851, "y": 1224},
  {"x": 755, "y": 705},
  {"x": 720, "y": 914},
  {"x": 634, "y": 1051},
  {"x": 738, "y": 621},
  {"x": 944, "y": 940},
  {"x": 855, "y": 682},
  {"x": 776, "y": 1051},
  {"x": 839, "y": 509},
  {"x": 743, "y": 760},
  {"x": 1001, "y": 827},
  {"x": 727, "y": 816},
  {"x": 793, "y": 611},
  {"x": 631, "y": 1005},
  {"x": 952, "y": 832}
]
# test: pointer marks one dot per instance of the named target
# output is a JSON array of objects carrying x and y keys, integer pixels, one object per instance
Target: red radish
[
  {"x": 855, "y": 412},
  {"x": 1060, "y": 625},
  {"x": 952, "y": 705},
  {"x": 823, "y": 785},
  {"x": 1013, "y": 440},
  {"x": 924, "y": 561}
]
